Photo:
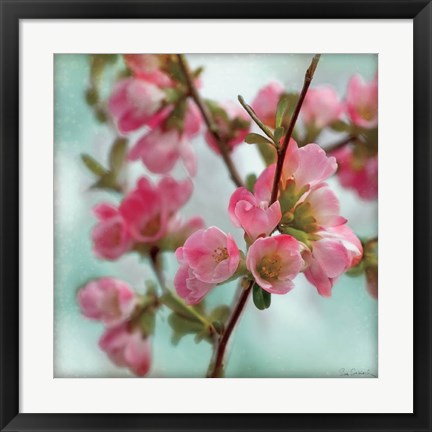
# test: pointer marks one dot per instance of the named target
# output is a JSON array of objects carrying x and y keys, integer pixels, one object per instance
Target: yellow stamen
[
  {"x": 270, "y": 267},
  {"x": 220, "y": 254}
]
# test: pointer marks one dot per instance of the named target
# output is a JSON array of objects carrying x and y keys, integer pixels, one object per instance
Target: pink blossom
[
  {"x": 275, "y": 262},
  {"x": 337, "y": 250},
  {"x": 134, "y": 102},
  {"x": 324, "y": 206},
  {"x": 255, "y": 216},
  {"x": 321, "y": 107},
  {"x": 362, "y": 102},
  {"x": 306, "y": 167},
  {"x": 111, "y": 238},
  {"x": 212, "y": 255},
  {"x": 266, "y": 101},
  {"x": 232, "y": 136},
  {"x": 179, "y": 231},
  {"x": 107, "y": 299},
  {"x": 148, "y": 68},
  {"x": 187, "y": 286},
  {"x": 264, "y": 184},
  {"x": 160, "y": 149},
  {"x": 127, "y": 348},
  {"x": 360, "y": 175},
  {"x": 148, "y": 209}
]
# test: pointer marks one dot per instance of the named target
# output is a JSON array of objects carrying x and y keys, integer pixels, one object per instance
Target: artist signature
[{"x": 353, "y": 372}]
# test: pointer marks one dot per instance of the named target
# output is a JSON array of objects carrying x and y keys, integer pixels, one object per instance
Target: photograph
[{"x": 216, "y": 215}]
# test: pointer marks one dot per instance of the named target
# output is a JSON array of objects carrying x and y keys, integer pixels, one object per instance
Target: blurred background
[{"x": 302, "y": 334}]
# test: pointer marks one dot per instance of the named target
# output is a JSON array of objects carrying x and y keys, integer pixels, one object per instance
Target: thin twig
[
  {"x": 254, "y": 117},
  {"x": 283, "y": 149},
  {"x": 155, "y": 261},
  {"x": 342, "y": 143},
  {"x": 216, "y": 367},
  {"x": 208, "y": 119}
]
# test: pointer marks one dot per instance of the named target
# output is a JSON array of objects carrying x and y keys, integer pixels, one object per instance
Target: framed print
[{"x": 215, "y": 217}]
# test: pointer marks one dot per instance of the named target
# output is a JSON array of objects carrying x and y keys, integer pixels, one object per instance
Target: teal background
[{"x": 301, "y": 335}]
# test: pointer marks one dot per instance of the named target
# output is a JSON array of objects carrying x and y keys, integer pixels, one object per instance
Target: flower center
[
  {"x": 270, "y": 267},
  {"x": 152, "y": 226},
  {"x": 220, "y": 254},
  {"x": 366, "y": 112}
]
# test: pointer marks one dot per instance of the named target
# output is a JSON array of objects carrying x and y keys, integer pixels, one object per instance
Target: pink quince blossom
[
  {"x": 324, "y": 206},
  {"x": 212, "y": 255},
  {"x": 335, "y": 252},
  {"x": 148, "y": 209},
  {"x": 188, "y": 286},
  {"x": 148, "y": 68},
  {"x": 321, "y": 107},
  {"x": 253, "y": 213},
  {"x": 233, "y": 137},
  {"x": 160, "y": 149},
  {"x": 111, "y": 238},
  {"x": 134, "y": 102},
  {"x": 359, "y": 175},
  {"x": 275, "y": 262},
  {"x": 127, "y": 348},
  {"x": 266, "y": 101},
  {"x": 107, "y": 299},
  {"x": 362, "y": 102},
  {"x": 306, "y": 167},
  {"x": 179, "y": 231}
]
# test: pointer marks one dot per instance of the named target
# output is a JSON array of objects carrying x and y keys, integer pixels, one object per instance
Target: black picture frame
[{"x": 12, "y": 11}]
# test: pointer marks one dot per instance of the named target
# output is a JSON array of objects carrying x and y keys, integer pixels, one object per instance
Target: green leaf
[
  {"x": 101, "y": 115},
  {"x": 357, "y": 270},
  {"x": 107, "y": 182},
  {"x": 250, "y": 181},
  {"x": 254, "y": 138},
  {"x": 117, "y": 155},
  {"x": 197, "y": 72},
  {"x": 220, "y": 314},
  {"x": 182, "y": 326},
  {"x": 176, "y": 72},
  {"x": 93, "y": 165},
  {"x": 147, "y": 323},
  {"x": 268, "y": 153},
  {"x": 92, "y": 96},
  {"x": 255, "y": 118},
  {"x": 278, "y": 134},
  {"x": 173, "y": 95},
  {"x": 261, "y": 298},
  {"x": 296, "y": 233},
  {"x": 177, "y": 305},
  {"x": 176, "y": 118},
  {"x": 281, "y": 110},
  {"x": 219, "y": 327},
  {"x": 240, "y": 123},
  {"x": 216, "y": 110}
]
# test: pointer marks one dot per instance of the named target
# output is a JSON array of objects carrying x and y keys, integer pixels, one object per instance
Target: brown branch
[
  {"x": 283, "y": 149},
  {"x": 337, "y": 145},
  {"x": 155, "y": 260},
  {"x": 208, "y": 119},
  {"x": 217, "y": 366}
]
